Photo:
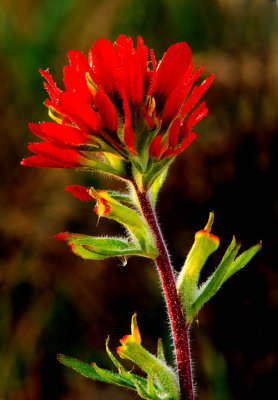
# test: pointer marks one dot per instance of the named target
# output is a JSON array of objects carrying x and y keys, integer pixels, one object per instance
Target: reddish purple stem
[{"x": 178, "y": 326}]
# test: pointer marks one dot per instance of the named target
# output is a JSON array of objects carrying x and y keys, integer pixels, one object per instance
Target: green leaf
[
  {"x": 154, "y": 171},
  {"x": 120, "y": 196},
  {"x": 156, "y": 186},
  {"x": 91, "y": 371},
  {"x": 228, "y": 266},
  {"x": 242, "y": 260},
  {"x": 127, "y": 379},
  {"x": 163, "y": 374},
  {"x": 229, "y": 249},
  {"x": 132, "y": 220},
  {"x": 103, "y": 166},
  {"x": 98, "y": 248},
  {"x": 160, "y": 351},
  {"x": 213, "y": 283}
]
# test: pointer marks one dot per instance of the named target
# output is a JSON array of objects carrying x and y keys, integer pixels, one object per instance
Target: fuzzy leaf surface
[{"x": 97, "y": 248}]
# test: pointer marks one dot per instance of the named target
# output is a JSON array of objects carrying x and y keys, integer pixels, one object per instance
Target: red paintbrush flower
[{"x": 116, "y": 111}]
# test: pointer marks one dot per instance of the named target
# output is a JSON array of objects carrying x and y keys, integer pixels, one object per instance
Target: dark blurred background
[{"x": 52, "y": 301}]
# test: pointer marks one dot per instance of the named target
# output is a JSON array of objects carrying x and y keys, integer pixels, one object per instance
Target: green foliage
[
  {"x": 140, "y": 242},
  {"x": 193, "y": 296},
  {"x": 98, "y": 248},
  {"x": 161, "y": 382}
]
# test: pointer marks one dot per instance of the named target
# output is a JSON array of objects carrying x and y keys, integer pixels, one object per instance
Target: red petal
[
  {"x": 132, "y": 69},
  {"x": 154, "y": 73},
  {"x": 75, "y": 83},
  {"x": 52, "y": 93},
  {"x": 81, "y": 192},
  {"x": 171, "y": 70},
  {"x": 141, "y": 54},
  {"x": 59, "y": 135},
  {"x": 40, "y": 162},
  {"x": 197, "y": 92},
  {"x": 174, "y": 132},
  {"x": 177, "y": 98},
  {"x": 66, "y": 158},
  {"x": 155, "y": 147},
  {"x": 129, "y": 135},
  {"x": 79, "y": 62},
  {"x": 103, "y": 60},
  {"x": 79, "y": 112},
  {"x": 189, "y": 137},
  {"x": 50, "y": 80},
  {"x": 197, "y": 115},
  {"x": 129, "y": 138},
  {"x": 106, "y": 111}
]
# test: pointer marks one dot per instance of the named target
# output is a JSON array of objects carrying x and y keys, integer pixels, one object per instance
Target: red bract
[{"x": 114, "y": 104}]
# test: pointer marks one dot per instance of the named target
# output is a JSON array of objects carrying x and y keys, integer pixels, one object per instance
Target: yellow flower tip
[
  {"x": 119, "y": 351},
  {"x": 93, "y": 193},
  {"x": 204, "y": 232},
  {"x": 210, "y": 222},
  {"x": 102, "y": 207},
  {"x": 91, "y": 84},
  {"x": 150, "y": 105},
  {"x": 134, "y": 329},
  {"x": 55, "y": 115}
]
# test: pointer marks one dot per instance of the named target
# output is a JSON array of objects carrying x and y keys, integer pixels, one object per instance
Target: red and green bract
[{"x": 115, "y": 96}]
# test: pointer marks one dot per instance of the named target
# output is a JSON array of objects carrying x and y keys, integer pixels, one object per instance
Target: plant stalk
[{"x": 180, "y": 330}]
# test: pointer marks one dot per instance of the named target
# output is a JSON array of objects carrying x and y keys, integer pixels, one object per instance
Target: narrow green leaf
[
  {"x": 229, "y": 249},
  {"x": 114, "y": 360},
  {"x": 93, "y": 372},
  {"x": 139, "y": 381},
  {"x": 113, "y": 377},
  {"x": 97, "y": 248},
  {"x": 120, "y": 196},
  {"x": 154, "y": 171},
  {"x": 110, "y": 208},
  {"x": 213, "y": 283},
  {"x": 105, "y": 167},
  {"x": 160, "y": 351},
  {"x": 242, "y": 260},
  {"x": 151, "y": 388},
  {"x": 165, "y": 377},
  {"x": 156, "y": 186},
  {"x": 142, "y": 390}
]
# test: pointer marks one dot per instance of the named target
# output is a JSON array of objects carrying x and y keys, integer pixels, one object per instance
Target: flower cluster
[{"x": 117, "y": 113}]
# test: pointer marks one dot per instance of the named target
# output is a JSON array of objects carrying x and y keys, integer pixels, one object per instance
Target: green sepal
[
  {"x": 187, "y": 283},
  {"x": 98, "y": 248},
  {"x": 156, "y": 186},
  {"x": 154, "y": 170},
  {"x": 160, "y": 351},
  {"x": 117, "y": 168}
]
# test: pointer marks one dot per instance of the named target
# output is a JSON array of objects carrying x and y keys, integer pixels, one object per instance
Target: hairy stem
[{"x": 180, "y": 329}]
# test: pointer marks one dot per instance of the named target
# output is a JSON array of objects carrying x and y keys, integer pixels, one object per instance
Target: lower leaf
[{"x": 98, "y": 248}]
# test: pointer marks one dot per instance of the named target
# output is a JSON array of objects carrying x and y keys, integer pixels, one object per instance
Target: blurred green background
[{"x": 53, "y": 302}]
